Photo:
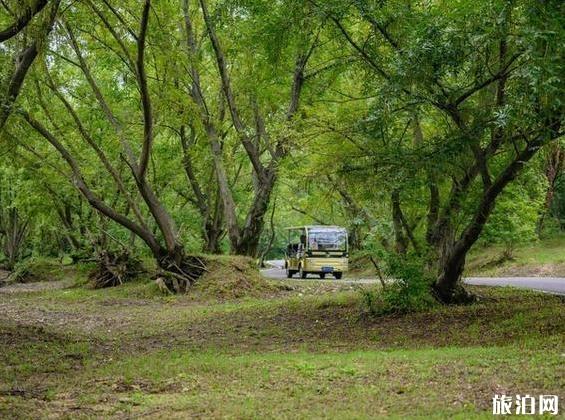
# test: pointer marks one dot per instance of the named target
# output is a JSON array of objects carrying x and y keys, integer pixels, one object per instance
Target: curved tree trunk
[
  {"x": 25, "y": 58},
  {"x": 250, "y": 234},
  {"x": 448, "y": 284},
  {"x": 554, "y": 167},
  {"x": 244, "y": 239}
]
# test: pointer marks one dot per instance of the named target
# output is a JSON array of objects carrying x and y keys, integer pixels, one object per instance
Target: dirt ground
[
  {"x": 35, "y": 287},
  {"x": 313, "y": 319},
  {"x": 70, "y": 351}
]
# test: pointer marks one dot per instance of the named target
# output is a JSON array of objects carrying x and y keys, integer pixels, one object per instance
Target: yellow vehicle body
[{"x": 318, "y": 250}]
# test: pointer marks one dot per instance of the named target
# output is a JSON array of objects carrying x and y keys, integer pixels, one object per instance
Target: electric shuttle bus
[{"x": 317, "y": 250}]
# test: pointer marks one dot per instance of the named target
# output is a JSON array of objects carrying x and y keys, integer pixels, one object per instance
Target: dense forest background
[{"x": 169, "y": 129}]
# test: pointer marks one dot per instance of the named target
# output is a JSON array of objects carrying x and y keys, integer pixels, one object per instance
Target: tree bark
[
  {"x": 92, "y": 198},
  {"x": 138, "y": 168},
  {"x": 210, "y": 212},
  {"x": 243, "y": 239},
  {"x": 15, "y": 230},
  {"x": 401, "y": 244},
  {"x": 250, "y": 235},
  {"x": 271, "y": 236}
]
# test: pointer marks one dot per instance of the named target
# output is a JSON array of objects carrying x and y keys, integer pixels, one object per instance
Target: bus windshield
[{"x": 327, "y": 239}]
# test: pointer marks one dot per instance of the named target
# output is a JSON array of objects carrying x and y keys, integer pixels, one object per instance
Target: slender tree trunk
[
  {"x": 354, "y": 211},
  {"x": 23, "y": 20},
  {"x": 214, "y": 229},
  {"x": 210, "y": 208},
  {"x": 400, "y": 238},
  {"x": 66, "y": 218},
  {"x": 26, "y": 58},
  {"x": 244, "y": 240},
  {"x": 555, "y": 165},
  {"x": 250, "y": 235},
  {"x": 271, "y": 236},
  {"x": 15, "y": 232}
]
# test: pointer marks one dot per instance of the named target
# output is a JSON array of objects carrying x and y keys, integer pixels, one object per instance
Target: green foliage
[
  {"x": 558, "y": 206},
  {"x": 408, "y": 287},
  {"x": 515, "y": 218},
  {"x": 36, "y": 269},
  {"x": 372, "y": 121}
]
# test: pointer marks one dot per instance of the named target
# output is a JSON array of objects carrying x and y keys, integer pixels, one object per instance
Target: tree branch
[
  {"x": 24, "y": 62},
  {"x": 187, "y": 164},
  {"x": 16, "y": 27},
  {"x": 250, "y": 147},
  {"x": 92, "y": 198},
  {"x": 503, "y": 72},
  {"x": 144, "y": 91},
  {"x": 99, "y": 152}
]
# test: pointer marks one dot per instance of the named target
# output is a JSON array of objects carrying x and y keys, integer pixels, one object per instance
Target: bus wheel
[
  {"x": 338, "y": 275},
  {"x": 322, "y": 275},
  {"x": 303, "y": 273},
  {"x": 289, "y": 273}
]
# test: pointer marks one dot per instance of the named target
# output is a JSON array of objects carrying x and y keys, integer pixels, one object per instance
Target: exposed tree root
[
  {"x": 114, "y": 269},
  {"x": 176, "y": 277},
  {"x": 458, "y": 295}
]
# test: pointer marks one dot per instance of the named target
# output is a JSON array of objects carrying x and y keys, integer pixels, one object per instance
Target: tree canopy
[{"x": 173, "y": 128}]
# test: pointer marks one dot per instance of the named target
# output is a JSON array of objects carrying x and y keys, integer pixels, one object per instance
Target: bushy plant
[
  {"x": 407, "y": 288},
  {"x": 20, "y": 273},
  {"x": 35, "y": 269}
]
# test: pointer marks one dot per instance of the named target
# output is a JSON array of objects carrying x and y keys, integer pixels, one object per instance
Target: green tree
[{"x": 480, "y": 80}]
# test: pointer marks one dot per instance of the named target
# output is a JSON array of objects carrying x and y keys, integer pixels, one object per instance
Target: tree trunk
[
  {"x": 400, "y": 239},
  {"x": 67, "y": 220},
  {"x": 555, "y": 164},
  {"x": 271, "y": 237},
  {"x": 23, "y": 20},
  {"x": 213, "y": 229},
  {"x": 250, "y": 235},
  {"x": 448, "y": 287},
  {"x": 433, "y": 209},
  {"x": 15, "y": 231},
  {"x": 25, "y": 59},
  {"x": 448, "y": 284}
]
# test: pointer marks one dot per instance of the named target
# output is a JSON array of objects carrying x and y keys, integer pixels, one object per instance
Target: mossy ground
[{"x": 231, "y": 277}]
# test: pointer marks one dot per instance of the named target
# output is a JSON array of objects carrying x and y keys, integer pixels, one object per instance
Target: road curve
[{"x": 555, "y": 285}]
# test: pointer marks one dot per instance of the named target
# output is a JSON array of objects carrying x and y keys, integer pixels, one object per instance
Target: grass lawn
[
  {"x": 545, "y": 258},
  {"x": 307, "y": 352}
]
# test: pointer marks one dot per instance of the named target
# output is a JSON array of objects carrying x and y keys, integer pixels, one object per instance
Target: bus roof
[{"x": 315, "y": 227}]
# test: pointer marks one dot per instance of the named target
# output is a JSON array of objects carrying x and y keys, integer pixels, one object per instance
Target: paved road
[{"x": 546, "y": 284}]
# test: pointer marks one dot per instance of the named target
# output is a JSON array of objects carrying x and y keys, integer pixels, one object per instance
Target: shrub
[
  {"x": 35, "y": 269},
  {"x": 407, "y": 290}
]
